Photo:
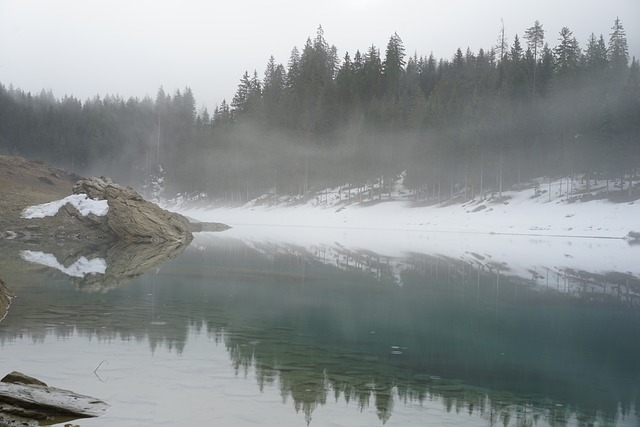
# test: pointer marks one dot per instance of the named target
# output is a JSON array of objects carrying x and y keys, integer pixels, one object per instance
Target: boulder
[
  {"x": 130, "y": 217},
  {"x": 24, "y": 399}
]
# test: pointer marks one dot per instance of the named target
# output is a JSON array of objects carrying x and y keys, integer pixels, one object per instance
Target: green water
[{"x": 228, "y": 334}]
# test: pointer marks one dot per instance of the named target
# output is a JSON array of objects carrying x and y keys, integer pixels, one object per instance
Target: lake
[{"x": 240, "y": 330}]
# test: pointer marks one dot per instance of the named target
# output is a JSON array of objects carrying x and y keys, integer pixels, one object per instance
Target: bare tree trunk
[
  {"x": 481, "y": 173},
  {"x": 500, "y": 185},
  {"x": 466, "y": 175}
]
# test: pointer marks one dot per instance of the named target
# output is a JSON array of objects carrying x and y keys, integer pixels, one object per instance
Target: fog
[{"x": 478, "y": 121}]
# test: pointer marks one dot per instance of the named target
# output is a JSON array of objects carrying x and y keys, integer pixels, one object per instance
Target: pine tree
[
  {"x": 345, "y": 82},
  {"x": 240, "y": 102},
  {"x": 618, "y": 52},
  {"x": 535, "y": 41},
  {"x": 516, "y": 50},
  {"x": 205, "y": 119},
  {"x": 273, "y": 91},
  {"x": 567, "y": 54},
  {"x": 393, "y": 67},
  {"x": 595, "y": 55},
  {"x": 372, "y": 74},
  {"x": 545, "y": 73},
  {"x": 595, "y": 59},
  {"x": 293, "y": 70},
  {"x": 458, "y": 61}
]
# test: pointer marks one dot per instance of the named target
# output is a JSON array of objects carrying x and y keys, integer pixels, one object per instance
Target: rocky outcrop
[
  {"x": 130, "y": 217},
  {"x": 26, "y": 401},
  {"x": 27, "y": 183}
]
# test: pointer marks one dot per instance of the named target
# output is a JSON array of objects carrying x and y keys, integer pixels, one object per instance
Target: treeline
[
  {"x": 476, "y": 121},
  {"x": 107, "y": 135}
]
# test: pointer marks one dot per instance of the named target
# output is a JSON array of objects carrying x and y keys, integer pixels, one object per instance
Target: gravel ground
[{"x": 24, "y": 183}]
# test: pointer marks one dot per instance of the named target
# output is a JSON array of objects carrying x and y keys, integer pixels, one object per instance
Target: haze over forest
[{"x": 540, "y": 105}]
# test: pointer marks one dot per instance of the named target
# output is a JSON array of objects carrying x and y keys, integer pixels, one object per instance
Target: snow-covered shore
[
  {"x": 527, "y": 212},
  {"x": 539, "y": 238}
]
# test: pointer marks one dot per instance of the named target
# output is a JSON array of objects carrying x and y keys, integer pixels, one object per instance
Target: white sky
[{"x": 132, "y": 47}]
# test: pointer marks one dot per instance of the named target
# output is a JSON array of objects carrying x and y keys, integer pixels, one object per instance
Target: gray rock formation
[
  {"x": 16, "y": 377},
  {"x": 130, "y": 217},
  {"x": 25, "y": 400}
]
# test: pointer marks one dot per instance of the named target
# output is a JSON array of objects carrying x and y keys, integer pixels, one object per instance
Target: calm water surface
[{"x": 236, "y": 334}]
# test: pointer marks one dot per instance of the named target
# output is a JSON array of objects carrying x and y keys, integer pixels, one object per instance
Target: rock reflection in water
[
  {"x": 463, "y": 334},
  {"x": 126, "y": 261},
  {"x": 100, "y": 268}
]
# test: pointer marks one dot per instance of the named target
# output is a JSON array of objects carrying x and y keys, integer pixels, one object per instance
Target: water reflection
[
  {"x": 331, "y": 323},
  {"x": 93, "y": 267}
]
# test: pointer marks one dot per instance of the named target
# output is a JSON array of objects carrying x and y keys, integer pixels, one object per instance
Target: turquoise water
[{"x": 232, "y": 334}]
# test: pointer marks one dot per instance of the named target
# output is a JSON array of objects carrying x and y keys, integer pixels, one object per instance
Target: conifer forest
[{"x": 535, "y": 105}]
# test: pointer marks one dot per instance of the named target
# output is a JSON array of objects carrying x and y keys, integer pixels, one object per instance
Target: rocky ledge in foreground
[{"x": 26, "y": 401}]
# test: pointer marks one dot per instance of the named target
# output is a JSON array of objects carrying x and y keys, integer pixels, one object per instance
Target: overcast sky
[{"x": 132, "y": 47}]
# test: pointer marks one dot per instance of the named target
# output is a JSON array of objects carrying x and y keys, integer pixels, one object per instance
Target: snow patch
[
  {"x": 81, "y": 202},
  {"x": 80, "y": 268}
]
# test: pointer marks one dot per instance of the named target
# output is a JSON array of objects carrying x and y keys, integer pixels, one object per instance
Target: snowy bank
[{"x": 530, "y": 212}]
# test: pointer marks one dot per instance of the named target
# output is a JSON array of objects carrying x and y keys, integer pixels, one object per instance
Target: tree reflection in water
[{"x": 375, "y": 330}]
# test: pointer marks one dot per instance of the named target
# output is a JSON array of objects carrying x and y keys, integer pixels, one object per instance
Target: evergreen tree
[
  {"x": 273, "y": 91},
  {"x": 567, "y": 54},
  {"x": 535, "y": 41},
  {"x": 595, "y": 54},
  {"x": 618, "y": 51},
  {"x": 293, "y": 70},
  {"x": 393, "y": 67},
  {"x": 240, "y": 102},
  {"x": 516, "y": 50},
  {"x": 372, "y": 74},
  {"x": 546, "y": 67},
  {"x": 428, "y": 75},
  {"x": 345, "y": 82}
]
